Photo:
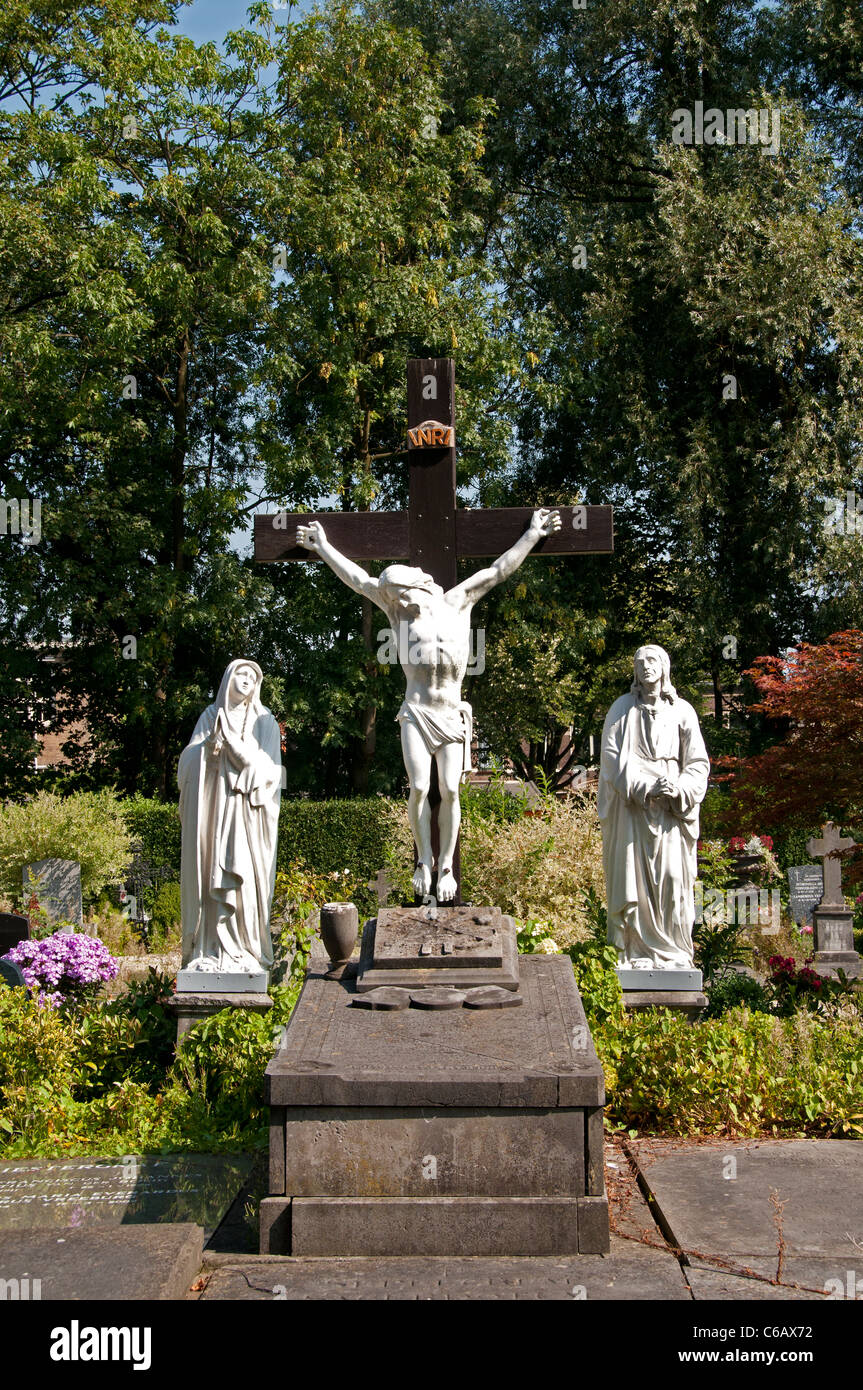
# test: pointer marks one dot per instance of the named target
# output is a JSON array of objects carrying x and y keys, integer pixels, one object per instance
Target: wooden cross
[
  {"x": 433, "y": 533},
  {"x": 828, "y": 849}
]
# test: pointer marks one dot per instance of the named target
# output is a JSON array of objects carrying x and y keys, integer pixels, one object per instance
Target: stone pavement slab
[
  {"x": 104, "y": 1263},
  {"x": 803, "y": 1278},
  {"x": 620, "y": 1276},
  {"x": 753, "y": 1197}
]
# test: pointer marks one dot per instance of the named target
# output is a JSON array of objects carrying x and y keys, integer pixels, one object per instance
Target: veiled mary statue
[
  {"x": 230, "y": 777},
  {"x": 652, "y": 779}
]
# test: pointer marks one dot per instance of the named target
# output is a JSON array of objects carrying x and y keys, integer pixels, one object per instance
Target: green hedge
[
  {"x": 332, "y": 835},
  {"x": 157, "y": 825},
  {"x": 326, "y": 835}
]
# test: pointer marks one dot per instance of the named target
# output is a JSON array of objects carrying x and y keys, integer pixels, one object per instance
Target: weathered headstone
[
  {"x": 57, "y": 885},
  {"x": 141, "y": 874},
  {"x": 13, "y": 929},
  {"x": 832, "y": 919},
  {"x": 12, "y": 975},
  {"x": 806, "y": 889}
]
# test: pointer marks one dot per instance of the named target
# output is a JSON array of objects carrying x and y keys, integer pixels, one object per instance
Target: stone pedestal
[
  {"x": 416, "y": 947},
  {"x": 464, "y": 1131},
  {"x": 190, "y": 1008},
  {"x": 663, "y": 989},
  {"x": 834, "y": 942},
  {"x": 685, "y": 1001}
]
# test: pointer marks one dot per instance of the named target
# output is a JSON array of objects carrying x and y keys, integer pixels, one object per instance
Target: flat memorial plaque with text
[
  {"x": 85, "y": 1192},
  {"x": 806, "y": 888}
]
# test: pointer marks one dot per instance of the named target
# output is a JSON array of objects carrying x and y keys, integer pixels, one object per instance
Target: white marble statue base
[
  {"x": 222, "y": 982},
  {"x": 659, "y": 979}
]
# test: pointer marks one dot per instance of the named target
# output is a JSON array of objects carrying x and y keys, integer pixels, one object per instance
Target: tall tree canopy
[{"x": 216, "y": 259}]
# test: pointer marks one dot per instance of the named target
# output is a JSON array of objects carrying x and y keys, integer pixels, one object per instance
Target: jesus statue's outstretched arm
[
  {"x": 543, "y": 523},
  {"x": 313, "y": 537}
]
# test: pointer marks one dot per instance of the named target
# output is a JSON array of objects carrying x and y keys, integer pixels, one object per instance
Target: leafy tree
[
  {"x": 812, "y": 696},
  {"x": 374, "y": 242},
  {"x": 699, "y": 363}
]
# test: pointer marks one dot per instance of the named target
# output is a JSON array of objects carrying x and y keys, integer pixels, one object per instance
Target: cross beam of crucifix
[{"x": 434, "y": 532}]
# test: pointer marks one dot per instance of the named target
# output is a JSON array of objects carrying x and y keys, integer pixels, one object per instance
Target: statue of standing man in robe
[
  {"x": 433, "y": 633},
  {"x": 652, "y": 779}
]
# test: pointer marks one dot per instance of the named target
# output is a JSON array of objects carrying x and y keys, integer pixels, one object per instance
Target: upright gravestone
[
  {"x": 57, "y": 886},
  {"x": 14, "y": 928},
  {"x": 443, "y": 1096},
  {"x": 832, "y": 918},
  {"x": 805, "y": 891}
]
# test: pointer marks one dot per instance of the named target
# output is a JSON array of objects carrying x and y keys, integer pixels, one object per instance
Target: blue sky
[{"x": 211, "y": 19}]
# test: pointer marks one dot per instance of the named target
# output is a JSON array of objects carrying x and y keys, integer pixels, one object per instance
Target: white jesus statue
[
  {"x": 433, "y": 630},
  {"x": 652, "y": 779}
]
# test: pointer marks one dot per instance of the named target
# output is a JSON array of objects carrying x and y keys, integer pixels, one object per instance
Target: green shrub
[
  {"x": 533, "y": 937},
  {"x": 743, "y": 1074},
  {"x": 540, "y": 866},
  {"x": 156, "y": 824},
  {"x": 86, "y": 826},
  {"x": 221, "y": 1062},
  {"x": 594, "y": 963},
  {"x": 129, "y": 1038},
  {"x": 492, "y": 803},
  {"x": 38, "y": 1056},
  {"x": 330, "y": 836},
  {"x": 733, "y": 989},
  {"x": 164, "y": 916},
  {"x": 719, "y": 947}
]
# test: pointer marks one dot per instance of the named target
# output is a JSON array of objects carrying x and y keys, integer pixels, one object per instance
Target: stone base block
[
  {"x": 829, "y": 963},
  {"x": 377, "y": 1151},
  {"x": 222, "y": 982},
  {"x": 189, "y": 1009},
  {"x": 326, "y": 1226},
  {"x": 690, "y": 1002},
  {"x": 689, "y": 981},
  {"x": 459, "y": 1132}
]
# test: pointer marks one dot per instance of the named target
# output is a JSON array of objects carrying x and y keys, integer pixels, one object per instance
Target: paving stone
[
  {"x": 717, "y": 1198},
  {"x": 803, "y": 1278},
  {"x": 619, "y": 1276},
  {"x": 104, "y": 1263}
]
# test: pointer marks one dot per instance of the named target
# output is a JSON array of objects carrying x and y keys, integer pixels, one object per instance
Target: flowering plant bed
[{"x": 64, "y": 968}]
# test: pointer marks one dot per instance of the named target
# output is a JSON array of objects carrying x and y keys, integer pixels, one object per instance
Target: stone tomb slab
[
  {"x": 104, "y": 1264},
  {"x": 393, "y": 1130},
  {"x": 459, "y": 946},
  {"x": 540, "y": 1055},
  {"x": 97, "y": 1192}
]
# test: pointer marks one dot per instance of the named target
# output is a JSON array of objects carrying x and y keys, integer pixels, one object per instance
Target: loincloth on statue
[{"x": 440, "y": 727}]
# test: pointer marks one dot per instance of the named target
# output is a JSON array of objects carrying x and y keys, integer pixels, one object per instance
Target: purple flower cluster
[{"x": 63, "y": 965}]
